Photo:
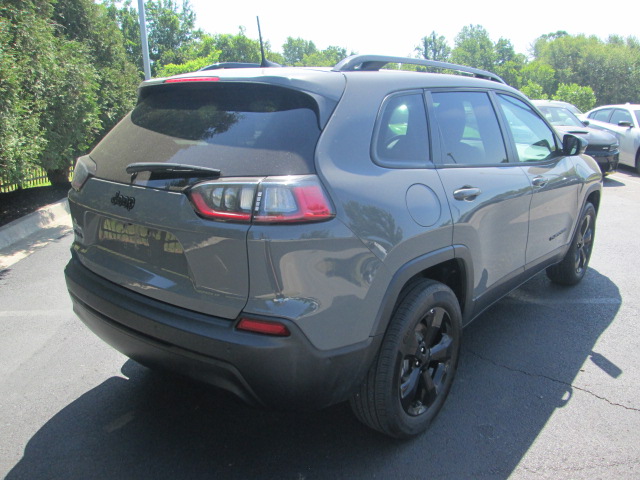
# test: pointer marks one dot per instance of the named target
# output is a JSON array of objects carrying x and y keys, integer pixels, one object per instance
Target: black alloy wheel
[
  {"x": 426, "y": 362},
  {"x": 412, "y": 375}
]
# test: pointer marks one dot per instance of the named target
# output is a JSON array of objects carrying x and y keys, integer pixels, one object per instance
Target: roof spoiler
[{"x": 376, "y": 62}]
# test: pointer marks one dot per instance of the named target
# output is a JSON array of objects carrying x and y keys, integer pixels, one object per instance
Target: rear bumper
[{"x": 278, "y": 372}]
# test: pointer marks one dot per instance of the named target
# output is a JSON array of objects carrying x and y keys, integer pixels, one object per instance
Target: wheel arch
[{"x": 450, "y": 266}]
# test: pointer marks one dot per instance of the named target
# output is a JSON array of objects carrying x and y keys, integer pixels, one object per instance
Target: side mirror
[
  {"x": 624, "y": 123},
  {"x": 585, "y": 122},
  {"x": 572, "y": 145}
]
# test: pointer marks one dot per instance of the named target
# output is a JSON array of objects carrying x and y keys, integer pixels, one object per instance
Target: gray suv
[{"x": 305, "y": 236}]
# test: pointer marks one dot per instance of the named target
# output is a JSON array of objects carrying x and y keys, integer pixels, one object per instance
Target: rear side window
[
  {"x": 401, "y": 139},
  {"x": 601, "y": 115},
  {"x": 240, "y": 128}
]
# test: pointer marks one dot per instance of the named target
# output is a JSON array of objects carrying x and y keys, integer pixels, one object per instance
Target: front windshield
[{"x": 560, "y": 116}]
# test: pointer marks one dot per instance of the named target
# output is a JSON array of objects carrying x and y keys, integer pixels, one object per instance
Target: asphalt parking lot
[{"x": 548, "y": 387}]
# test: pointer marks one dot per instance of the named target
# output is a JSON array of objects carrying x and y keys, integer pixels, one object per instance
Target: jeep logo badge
[{"x": 123, "y": 201}]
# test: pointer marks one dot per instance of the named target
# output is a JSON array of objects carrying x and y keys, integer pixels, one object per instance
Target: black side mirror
[
  {"x": 624, "y": 123},
  {"x": 572, "y": 145},
  {"x": 585, "y": 122}
]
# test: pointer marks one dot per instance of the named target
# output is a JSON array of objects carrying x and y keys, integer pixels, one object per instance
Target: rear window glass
[{"x": 239, "y": 128}]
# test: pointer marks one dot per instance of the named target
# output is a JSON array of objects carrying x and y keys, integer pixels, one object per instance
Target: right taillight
[{"x": 287, "y": 199}]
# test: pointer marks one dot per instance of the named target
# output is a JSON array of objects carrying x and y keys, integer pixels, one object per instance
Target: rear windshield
[{"x": 239, "y": 128}]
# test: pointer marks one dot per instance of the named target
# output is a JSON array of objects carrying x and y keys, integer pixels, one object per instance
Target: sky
[{"x": 396, "y": 27}]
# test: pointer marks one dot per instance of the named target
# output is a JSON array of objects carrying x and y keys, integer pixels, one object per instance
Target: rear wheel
[
  {"x": 413, "y": 372},
  {"x": 574, "y": 265}
]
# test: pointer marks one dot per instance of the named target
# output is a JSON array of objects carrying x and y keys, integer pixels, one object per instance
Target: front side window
[
  {"x": 620, "y": 115},
  {"x": 401, "y": 139},
  {"x": 469, "y": 129},
  {"x": 534, "y": 140}
]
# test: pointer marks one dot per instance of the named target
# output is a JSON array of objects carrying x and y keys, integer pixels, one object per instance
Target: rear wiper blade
[{"x": 171, "y": 168}]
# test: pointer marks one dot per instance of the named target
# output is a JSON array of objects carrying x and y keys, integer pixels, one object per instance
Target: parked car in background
[
  {"x": 624, "y": 122},
  {"x": 603, "y": 146}
]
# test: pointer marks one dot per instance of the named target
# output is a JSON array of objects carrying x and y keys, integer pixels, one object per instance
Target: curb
[{"x": 52, "y": 215}]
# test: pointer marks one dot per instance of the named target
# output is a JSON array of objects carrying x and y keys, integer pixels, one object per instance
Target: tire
[
  {"x": 638, "y": 162},
  {"x": 573, "y": 266},
  {"x": 412, "y": 374}
]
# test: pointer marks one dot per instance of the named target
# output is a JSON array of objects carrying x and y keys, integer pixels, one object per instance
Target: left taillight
[
  {"x": 287, "y": 199},
  {"x": 85, "y": 168}
]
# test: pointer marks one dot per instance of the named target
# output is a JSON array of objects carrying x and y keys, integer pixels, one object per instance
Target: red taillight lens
[
  {"x": 291, "y": 199},
  {"x": 264, "y": 327}
]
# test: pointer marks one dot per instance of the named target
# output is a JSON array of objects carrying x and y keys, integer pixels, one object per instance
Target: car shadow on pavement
[{"x": 519, "y": 366}]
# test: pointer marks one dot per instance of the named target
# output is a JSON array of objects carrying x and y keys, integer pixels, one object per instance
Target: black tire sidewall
[{"x": 423, "y": 297}]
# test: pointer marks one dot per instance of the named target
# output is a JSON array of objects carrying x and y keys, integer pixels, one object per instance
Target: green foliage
[
  {"x": 324, "y": 58},
  {"x": 581, "y": 97},
  {"x": 611, "y": 69},
  {"x": 295, "y": 49},
  {"x": 434, "y": 47},
  {"x": 540, "y": 74},
  {"x": 474, "y": 48},
  {"x": 534, "y": 91},
  {"x": 189, "y": 66}
]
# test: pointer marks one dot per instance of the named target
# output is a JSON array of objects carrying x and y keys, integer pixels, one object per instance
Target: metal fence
[{"x": 35, "y": 177}]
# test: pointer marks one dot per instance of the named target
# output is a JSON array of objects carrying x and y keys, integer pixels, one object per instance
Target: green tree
[
  {"x": 581, "y": 97},
  {"x": 534, "y": 91},
  {"x": 171, "y": 30},
  {"x": 21, "y": 141},
  {"x": 611, "y": 69},
  {"x": 540, "y": 74},
  {"x": 474, "y": 48},
  {"x": 294, "y": 50},
  {"x": 324, "y": 58},
  {"x": 434, "y": 47},
  {"x": 92, "y": 25}
]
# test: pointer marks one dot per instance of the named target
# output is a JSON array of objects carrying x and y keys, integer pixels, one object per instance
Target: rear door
[{"x": 488, "y": 196}]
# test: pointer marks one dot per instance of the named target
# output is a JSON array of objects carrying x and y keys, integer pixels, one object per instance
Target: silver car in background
[{"x": 624, "y": 122}]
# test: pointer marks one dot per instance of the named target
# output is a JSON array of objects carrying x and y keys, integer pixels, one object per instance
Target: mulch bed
[{"x": 19, "y": 203}]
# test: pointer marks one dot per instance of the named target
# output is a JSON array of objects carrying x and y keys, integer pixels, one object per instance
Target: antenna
[{"x": 264, "y": 62}]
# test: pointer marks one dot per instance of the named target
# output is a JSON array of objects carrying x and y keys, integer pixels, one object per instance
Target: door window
[
  {"x": 621, "y": 116},
  {"x": 469, "y": 129},
  {"x": 534, "y": 139}
]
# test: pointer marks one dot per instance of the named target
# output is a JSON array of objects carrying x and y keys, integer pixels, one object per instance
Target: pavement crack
[{"x": 555, "y": 380}]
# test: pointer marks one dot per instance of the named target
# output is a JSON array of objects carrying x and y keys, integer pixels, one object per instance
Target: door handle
[
  {"x": 539, "y": 181},
  {"x": 466, "y": 193}
]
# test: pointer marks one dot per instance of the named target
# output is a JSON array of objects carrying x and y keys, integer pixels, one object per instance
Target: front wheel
[
  {"x": 574, "y": 265},
  {"x": 414, "y": 370}
]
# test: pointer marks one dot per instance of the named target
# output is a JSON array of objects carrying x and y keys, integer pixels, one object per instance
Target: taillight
[
  {"x": 290, "y": 199},
  {"x": 85, "y": 168}
]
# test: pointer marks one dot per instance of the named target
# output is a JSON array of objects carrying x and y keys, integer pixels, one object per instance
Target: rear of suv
[{"x": 305, "y": 236}]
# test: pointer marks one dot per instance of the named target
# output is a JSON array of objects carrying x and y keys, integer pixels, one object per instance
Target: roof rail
[{"x": 376, "y": 62}]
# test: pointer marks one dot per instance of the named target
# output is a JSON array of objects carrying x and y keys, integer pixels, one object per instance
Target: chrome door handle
[
  {"x": 539, "y": 181},
  {"x": 467, "y": 193}
]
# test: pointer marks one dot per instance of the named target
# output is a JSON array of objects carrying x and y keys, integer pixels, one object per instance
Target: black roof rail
[{"x": 376, "y": 62}]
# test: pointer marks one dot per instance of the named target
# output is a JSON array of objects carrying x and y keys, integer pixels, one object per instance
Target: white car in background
[{"x": 624, "y": 122}]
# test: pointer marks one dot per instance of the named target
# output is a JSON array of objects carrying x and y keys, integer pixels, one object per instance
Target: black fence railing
[{"x": 35, "y": 177}]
